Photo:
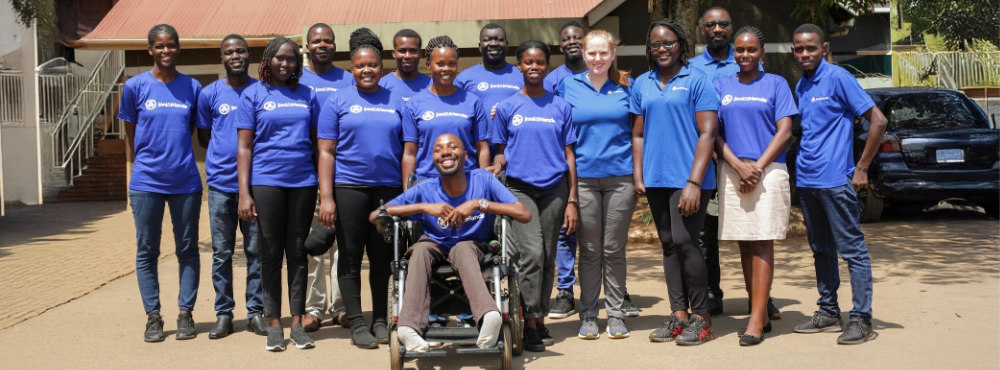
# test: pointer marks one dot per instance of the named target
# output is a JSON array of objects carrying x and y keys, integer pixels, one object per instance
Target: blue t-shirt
[
  {"x": 217, "y": 107},
  {"x": 535, "y": 131},
  {"x": 603, "y": 126},
  {"x": 491, "y": 87},
  {"x": 480, "y": 184},
  {"x": 828, "y": 103},
  {"x": 715, "y": 69},
  {"x": 162, "y": 114},
  {"x": 749, "y": 113},
  {"x": 669, "y": 127},
  {"x": 428, "y": 116},
  {"x": 282, "y": 120},
  {"x": 557, "y": 75},
  {"x": 326, "y": 84},
  {"x": 405, "y": 89},
  {"x": 368, "y": 128}
]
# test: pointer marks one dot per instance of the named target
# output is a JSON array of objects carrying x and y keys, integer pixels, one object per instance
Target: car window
[{"x": 933, "y": 111}]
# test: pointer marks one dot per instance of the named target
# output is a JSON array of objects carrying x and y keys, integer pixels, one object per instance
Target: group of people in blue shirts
[{"x": 578, "y": 145}]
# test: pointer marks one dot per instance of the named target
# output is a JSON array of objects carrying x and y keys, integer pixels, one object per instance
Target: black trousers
[
  {"x": 683, "y": 264},
  {"x": 709, "y": 242},
  {"x": 283, "y": 217},
  {"x": 355, "y": 236}
]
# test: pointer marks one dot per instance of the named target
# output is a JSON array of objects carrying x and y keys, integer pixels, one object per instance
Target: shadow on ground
[{"x": 52, "y": 222}]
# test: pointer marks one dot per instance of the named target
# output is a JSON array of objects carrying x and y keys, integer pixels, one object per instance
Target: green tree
[
  {"x": 959, "y": 23},
  {"x": 43, "y": 12},
  {"x": 816, "y": 11}
]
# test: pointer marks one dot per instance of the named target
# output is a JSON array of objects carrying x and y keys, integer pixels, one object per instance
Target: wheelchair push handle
[{"x": 384, "y": 222}]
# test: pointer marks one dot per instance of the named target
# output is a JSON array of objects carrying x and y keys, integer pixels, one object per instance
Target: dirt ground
[{"x": 937, "y": 304}]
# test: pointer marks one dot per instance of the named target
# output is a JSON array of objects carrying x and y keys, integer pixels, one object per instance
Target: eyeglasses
[
  {"x": 711, "y": 25},
  {"x": 667, "y": 45}
]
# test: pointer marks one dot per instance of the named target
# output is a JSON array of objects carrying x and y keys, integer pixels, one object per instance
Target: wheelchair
[{"x": 448, "y": 296}]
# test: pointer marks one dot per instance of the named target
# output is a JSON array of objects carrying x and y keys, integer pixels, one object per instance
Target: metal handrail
[{"x": 84, "y": 108}]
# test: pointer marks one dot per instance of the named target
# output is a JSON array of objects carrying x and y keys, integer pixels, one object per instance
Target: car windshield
[{"x": 933, "y": 111}]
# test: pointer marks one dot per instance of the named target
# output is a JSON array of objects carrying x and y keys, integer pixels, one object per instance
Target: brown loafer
[
  {"x": 310, "y": 323},
  {"x": 341, "y": 319}
]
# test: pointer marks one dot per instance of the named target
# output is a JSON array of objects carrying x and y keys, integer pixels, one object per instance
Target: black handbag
[{"x": 320, "y": 239}]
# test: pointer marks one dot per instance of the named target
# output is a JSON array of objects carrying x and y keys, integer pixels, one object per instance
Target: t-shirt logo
[
  {"x": 355, "y": 109},
  {"x": 822, "y": 98},
  {"x": 675, "y": 88},
  {"x": 442, "y": 224},
  {"x": 270, "y": 105},
  {"x": 224, "y": 109},
  {"x": 516, "y": 121},
  {"x": 405, "y": 98},
  {"x": 727, "y": 99},
  {"x": 612, "y": 92},
  {"x": 428, "y": 115},
  {"x": 150, "y": 104},
  {"x": 483, "y": 86}
]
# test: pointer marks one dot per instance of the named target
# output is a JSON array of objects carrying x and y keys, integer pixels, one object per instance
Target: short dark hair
[
  {"x": 161, "y": 29},
  {"x": 234, "y": 36},
  {"x": 442, "y": 41},
  {"x": 320, "y": 25},
  {"x": 702, "y": 19},
  {"x": 364, "y": 38},
  {"x": 572, "y": 23},
  {"x": 492, "y": 26},
  {"x": 810, "y": 28},
  {"x": 532, "y": 44},
  {"x": 406, "y": 32}
]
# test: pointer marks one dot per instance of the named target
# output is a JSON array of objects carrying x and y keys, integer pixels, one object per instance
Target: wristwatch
[{"x": 483, "y": 205}]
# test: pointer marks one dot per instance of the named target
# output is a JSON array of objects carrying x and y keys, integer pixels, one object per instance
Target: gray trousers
[
  {"x": 317, "y": 300},
  {"x": 606, "y": 206},
  {"x": 535, "y": 243}
]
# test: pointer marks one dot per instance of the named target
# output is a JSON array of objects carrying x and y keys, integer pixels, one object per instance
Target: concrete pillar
[{"x": 22, "y": 143}]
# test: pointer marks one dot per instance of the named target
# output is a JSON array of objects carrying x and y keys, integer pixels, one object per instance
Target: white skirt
[{"x": 759, "y": 215}]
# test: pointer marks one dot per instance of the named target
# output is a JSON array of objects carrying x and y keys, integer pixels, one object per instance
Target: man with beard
[
  {"x": 571, "y": 45},
  {"x": 494, "y": 79},
  {"x": 717, "y": 61},
  {"x": 456, "y": 209},
  {"x": 324, "y": 79},
  {"x": 217, "y": 106},
  {"x": 406, "y": 80}
]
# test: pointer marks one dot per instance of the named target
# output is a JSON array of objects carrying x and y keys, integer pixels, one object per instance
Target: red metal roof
[{"x": 130, "y": 20}]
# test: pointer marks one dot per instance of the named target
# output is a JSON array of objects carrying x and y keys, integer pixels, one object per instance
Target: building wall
[{"x": 11, "y": 34}]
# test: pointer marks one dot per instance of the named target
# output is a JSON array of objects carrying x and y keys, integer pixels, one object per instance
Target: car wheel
[{"x": 871, "y": 206}]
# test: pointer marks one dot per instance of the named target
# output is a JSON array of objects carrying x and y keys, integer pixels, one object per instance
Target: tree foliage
[
  {"x": 959, "y": 23},
  {"x": 816, "y": 11}
]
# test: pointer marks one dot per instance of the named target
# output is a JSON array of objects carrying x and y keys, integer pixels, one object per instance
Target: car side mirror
[{"x": 383, "y": 222}]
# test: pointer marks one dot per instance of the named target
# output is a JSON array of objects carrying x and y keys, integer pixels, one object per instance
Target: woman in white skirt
[{"x": 756, "y": 123}]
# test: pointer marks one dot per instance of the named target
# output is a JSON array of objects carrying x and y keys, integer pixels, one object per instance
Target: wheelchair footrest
[
  {"x": 431, "y": 353},
  {"x": 451, "y": 335},
  {"x": 477, "y": 350}
]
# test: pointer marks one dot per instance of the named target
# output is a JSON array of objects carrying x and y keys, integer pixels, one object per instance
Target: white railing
[
  {"x": 952, "y": 70},
  {"x": 74, "y": 134},
  {"x": 10, "y": 97}
]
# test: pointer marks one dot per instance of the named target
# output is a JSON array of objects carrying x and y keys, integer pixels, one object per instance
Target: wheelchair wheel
[
  {"x": 395, "y": 361},
  {"x": 508, "y": 338},
  {"x": 392, "y": 301},
  {"x": 517, "y": 322}
]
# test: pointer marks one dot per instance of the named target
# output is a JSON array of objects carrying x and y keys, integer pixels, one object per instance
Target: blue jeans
[
  {"x": 833, "y": 223},
  {"x": 147, "y": 210},
  {"x": 565, "y": 259},
  {"x": 223, "y": 220}
]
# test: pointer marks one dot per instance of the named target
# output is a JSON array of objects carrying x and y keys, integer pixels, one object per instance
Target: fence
[
  {"x": 952, "y": 70},
  {"x": 10, "y": 97}
]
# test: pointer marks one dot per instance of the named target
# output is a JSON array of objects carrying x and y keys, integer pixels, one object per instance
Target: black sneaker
[
  {"x": 381, "y": 332},
  {"x": 820, "y": 323},
  {"x": 543, "y": 332},
  {"x": 772, "y": 311},
  {"x": 185, "y": 327},
  {"x": 300, "y": 338},
  {"x": 698, "y": 331},
  {"x": 714, "y": 305},
  {"x": 532, "y": 340},
  {"x": 671, "y": 327},
  {"x": 628, "y": 308},
  {"x": 362, "y": 337},
  {"x": 275, "y": 339},
  {"x": 564, "y": 307},
  {"x": 154, "y": 329},
  {"x": 858, "y": 331}
]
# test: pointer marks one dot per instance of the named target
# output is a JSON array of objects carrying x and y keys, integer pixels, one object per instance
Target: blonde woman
[{"x": 600, "y": 104}]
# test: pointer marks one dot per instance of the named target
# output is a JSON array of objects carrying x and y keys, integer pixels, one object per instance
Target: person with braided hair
[
  {"x": 755, "y": 123},
  {"x": 676, "y": 114},
  {"x": 360, "y": 154},
  {"x": 443, "y": 108},
  {"x": 277, "y": 179},
  {"x": 159, "y": 109},
  {"x": 406, "y": 80}
]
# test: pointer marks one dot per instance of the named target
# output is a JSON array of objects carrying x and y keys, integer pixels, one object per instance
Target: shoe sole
[
  {"x": 435, "y": 344},
  {"x": 589, "y": 336},
  {"x": 186, "y": 337},
  {"x": 303, "y": 346},
  {"x": 535, "y": 349},
  {"x": 661, "y": 340},
  {"x": 275, "y": 348},
  {"x": 372, "y": 346},
  {"x": 828, "y": 329},
  {"x": 698, "y": 343},
  {"x": 871, "y": 336},
  {"x": 553, "y": 315},
  {"x": 154, "y": 340},
  {"x": 549, "y": 342},
  {"x": 618, "y": 336},
  {"x": 631, "y": 314},
  {"x": 776, "y": 316},
  {"x": 220, "y": 335}
]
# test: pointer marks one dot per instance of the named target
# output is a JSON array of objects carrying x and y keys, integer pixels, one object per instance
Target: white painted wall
[
  {"x": 10, "y": 37},
  {"x": 22, "y": 141}
]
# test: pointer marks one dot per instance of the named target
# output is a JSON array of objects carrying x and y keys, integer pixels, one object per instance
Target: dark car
[{"x": 938, "y": 145}]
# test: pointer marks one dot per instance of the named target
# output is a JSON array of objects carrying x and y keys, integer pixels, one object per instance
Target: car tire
[{"x": 871, "y": 206}]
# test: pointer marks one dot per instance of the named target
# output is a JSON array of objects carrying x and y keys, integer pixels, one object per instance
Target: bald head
[{"x": 449, "y": 155}]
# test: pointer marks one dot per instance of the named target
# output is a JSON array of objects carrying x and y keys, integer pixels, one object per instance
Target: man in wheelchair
[{"x": 457, "y": 209}]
